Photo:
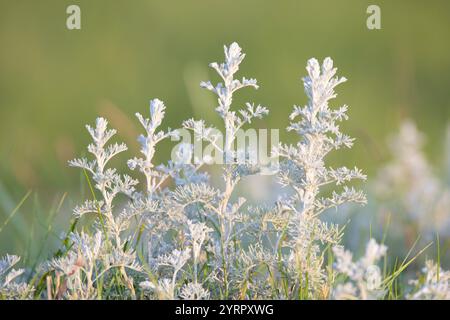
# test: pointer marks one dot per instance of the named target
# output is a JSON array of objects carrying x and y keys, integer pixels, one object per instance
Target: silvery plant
[
  {"x": 11, "y": 286},
  {"x": 409, "y": 187},
  {"x": 364, "y": 277},
  {"x": 304, "y": 237},
  {"x": 176, "y": 235}
]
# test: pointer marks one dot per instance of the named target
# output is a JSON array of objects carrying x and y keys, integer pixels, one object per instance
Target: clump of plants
[{"x": 176, "y": 235}]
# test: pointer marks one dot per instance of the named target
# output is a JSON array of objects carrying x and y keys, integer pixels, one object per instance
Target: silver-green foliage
[{"x": 178, "y": 236}]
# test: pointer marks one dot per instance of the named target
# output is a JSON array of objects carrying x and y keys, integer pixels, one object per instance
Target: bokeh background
[{"x": 53, "y": 81}]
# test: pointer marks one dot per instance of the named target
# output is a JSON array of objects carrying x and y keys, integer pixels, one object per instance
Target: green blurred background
[{"x": 53, "y": 81}]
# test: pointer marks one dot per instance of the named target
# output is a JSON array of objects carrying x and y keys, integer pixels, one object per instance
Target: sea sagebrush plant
[
  {"x": 177, "y": 235},
  {"x": 10, "y": 285},
  {"x": 409, "y": 187},
  {"x": 364, "y": 277},
  {"x": 304, "y": 170}
]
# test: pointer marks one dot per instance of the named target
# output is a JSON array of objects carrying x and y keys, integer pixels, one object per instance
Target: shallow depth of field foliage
[{"x": 357, "y": 208}]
